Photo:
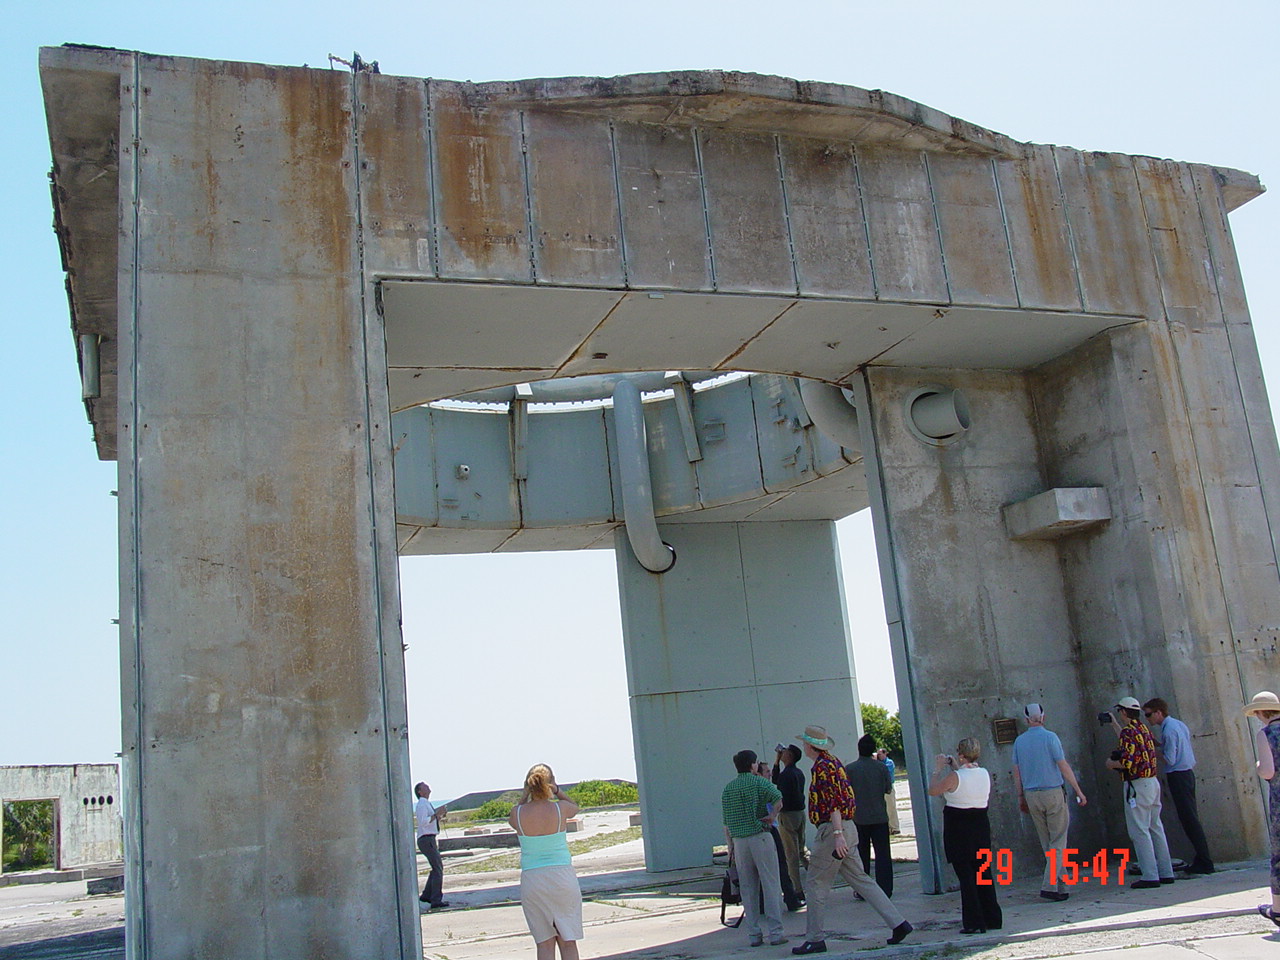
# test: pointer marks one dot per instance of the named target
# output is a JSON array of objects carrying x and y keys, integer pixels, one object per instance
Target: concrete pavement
[{"x": 634, "y": 915}]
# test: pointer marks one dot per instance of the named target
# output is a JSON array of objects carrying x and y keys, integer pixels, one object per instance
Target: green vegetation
[
  {"x": 28, "y": 834},
  {"x": 493, "y": 810},
  {"x": 603, "y": 793},
  {"x": 886, "y": 728}
]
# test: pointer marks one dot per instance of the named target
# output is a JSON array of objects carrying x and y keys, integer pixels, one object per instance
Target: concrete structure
[
  {"x": 266, "y": 263},
  {"x": 86, "y": 809}
]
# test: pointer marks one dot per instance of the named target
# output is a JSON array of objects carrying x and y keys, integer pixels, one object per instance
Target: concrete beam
[{"x": 1056, "y": 513}]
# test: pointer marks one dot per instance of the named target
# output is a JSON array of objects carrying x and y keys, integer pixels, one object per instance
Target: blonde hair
[
  {"x": 539, "y": 781},
  {"x": 970, "y": 749}
]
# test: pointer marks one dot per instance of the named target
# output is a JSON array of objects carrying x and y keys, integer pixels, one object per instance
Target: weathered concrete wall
[
  {"x": 264, "y": 709},
  {"x": 739, "y": 646},
  {"x": 1141, "y": 606},
  {"x": 1151, "y": 608},
  {"x": 985, "y": 624},
  {"x": 87, "y": 798}
]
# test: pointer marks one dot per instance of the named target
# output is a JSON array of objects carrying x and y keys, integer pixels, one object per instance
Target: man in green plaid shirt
[{"x": 749, "y": 802}]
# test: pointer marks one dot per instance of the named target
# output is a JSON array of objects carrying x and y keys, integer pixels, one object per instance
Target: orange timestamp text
[{"x": 996, "y": 866}]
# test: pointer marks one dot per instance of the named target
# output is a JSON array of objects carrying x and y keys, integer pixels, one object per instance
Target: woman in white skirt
[{"x": 549, "y": 891}]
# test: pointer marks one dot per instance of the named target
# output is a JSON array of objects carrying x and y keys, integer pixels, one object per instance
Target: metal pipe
[
  {"x": 637, "y": 491},
  {"x": 832, "y": 413},
  {"x": 90, "y": 367}
]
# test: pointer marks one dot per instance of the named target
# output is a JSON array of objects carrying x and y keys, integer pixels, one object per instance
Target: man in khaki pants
[{"x": 1039, "y": 771}]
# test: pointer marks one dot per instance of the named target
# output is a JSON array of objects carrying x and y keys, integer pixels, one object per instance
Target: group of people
[
  {"x": 764, "y": 815},
  {"x": 1041, "y": 777},
  {"x": 754, "y": 802},
  {"x": 549, "y": 891}
]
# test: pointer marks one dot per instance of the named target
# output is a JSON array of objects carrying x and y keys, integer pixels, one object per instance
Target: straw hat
[
  {"x": 1263, "y": 702},
  {"x": 816, "y": 736}
]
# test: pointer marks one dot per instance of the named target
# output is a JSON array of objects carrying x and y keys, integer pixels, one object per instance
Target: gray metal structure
[{"x": 276, "y": 275}]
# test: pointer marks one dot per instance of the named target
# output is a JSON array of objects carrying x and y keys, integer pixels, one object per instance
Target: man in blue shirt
[
  {"x": 1179, "y": 761},
  {"x": 1039, "y": 771}
]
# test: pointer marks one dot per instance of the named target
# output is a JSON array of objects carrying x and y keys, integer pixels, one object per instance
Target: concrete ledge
[
  {"x": 499, "y": 838},
  {"x": 1056, "y": 513},
  {"x": 102, "y": 885}
]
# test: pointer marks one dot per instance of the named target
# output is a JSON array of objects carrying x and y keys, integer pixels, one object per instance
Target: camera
[
  {"x": 780, "y": 747},
  {"x": 1105, "y": 717},
  {"x": 1115, "y": 755}
]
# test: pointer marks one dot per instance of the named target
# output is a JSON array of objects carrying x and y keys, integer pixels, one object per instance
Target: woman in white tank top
[{"x": 965, "y": 787}]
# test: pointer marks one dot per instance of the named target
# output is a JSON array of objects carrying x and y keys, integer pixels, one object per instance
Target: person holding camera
[
  {"x": 1265, "y": 708},
  {"x": 1135, "y": 760},
  {"x": 428, "y": 818},
  {"x": 965, "y": 788},
  {"x": 1039, "y": 771},
  {"x": 790, "y": 781},
  {"x": 549, "y": 892}
]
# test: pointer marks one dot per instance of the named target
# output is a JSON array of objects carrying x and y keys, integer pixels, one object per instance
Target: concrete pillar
[
  {"x": 739, "y": 646},
  {"x": 1146, "y": 604},
  {"x": 267, "y": 797}
]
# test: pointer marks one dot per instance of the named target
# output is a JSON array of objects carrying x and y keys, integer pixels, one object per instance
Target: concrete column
[
  {"x": 267, "y": 796},
  {"x": 739, "y": 646}
]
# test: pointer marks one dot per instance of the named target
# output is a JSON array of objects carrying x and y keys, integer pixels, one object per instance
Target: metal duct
[
  {"x": 637, "y": 491},
  {"x": 832, "y": 413}
]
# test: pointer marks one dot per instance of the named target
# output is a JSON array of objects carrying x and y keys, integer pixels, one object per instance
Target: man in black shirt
[{"x": 791, "y": 821}]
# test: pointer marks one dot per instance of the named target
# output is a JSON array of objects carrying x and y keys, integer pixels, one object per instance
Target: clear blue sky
[{"x": 1189, "y": 81}]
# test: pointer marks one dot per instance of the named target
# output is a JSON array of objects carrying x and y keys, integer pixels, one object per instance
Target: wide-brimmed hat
[
  {"x": 1263, "y": 702},
  {"x": 1129, "y": 703},
  {"x": 817, "y": 737}
]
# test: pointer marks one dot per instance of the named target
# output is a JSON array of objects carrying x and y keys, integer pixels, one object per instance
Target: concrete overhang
[
  {"x": 83, "y": 89},
  {"x": 448, "y": 339}
]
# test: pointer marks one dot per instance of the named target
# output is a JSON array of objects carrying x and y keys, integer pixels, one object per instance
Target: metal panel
[
  {"x": 905, "y": 252},
  {"x": 395, "y": 174},
  {"x": 664, "y": 226},
  {"x": 729, "y": 469},
  {"x": 672, "y": 476},
  {"x": 786, "y": 453},
  {"x": 575, "y": 200},
  {"x": 750, "y": 249},
  {"x": 1039, "y": 237},
  {"x": 415, "y": 466},
  {"x": 971, "y": 223},
  {"x": 479, "y": 176},
  {"x": 1112, "y": 245},
  {"x": 568, "y": 468},
  {"x": 828, "y": 228},
  {"x": 486, "y": 497}
]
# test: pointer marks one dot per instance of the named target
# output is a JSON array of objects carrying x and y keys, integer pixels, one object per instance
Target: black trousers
[
  {"x": 964, "y": 833},
  {"x": 877, "y": 835},
  {"x": 433, "y": 892},
  {"x": 1182, "y": 787}
]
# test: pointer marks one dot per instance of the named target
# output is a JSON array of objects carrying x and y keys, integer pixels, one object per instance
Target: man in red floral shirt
[
  {"x": 831, "y": 809},
  {"x": 1136, "y": 761}
]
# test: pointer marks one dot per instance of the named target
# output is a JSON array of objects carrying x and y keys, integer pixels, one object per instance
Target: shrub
[
  {"x": 603, "y": 793},
  {"x": 493, "y": 810}
]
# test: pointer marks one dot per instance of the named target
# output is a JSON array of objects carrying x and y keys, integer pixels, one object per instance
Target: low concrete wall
[{"x": 86, "y": 808}]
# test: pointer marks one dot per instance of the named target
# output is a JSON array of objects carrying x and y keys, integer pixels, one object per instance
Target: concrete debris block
[
  {"x": 573, "y": 826},
  {"x": 475, "y": 831},
  {"x": 1056, "y": 513},
  {"x": 634, "y": 820},
  {"x": 106, "y": 885}
]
